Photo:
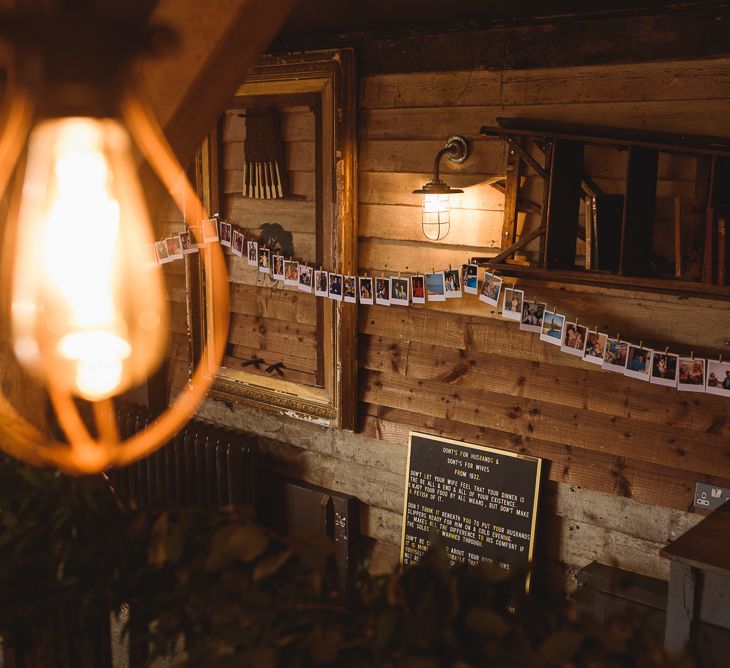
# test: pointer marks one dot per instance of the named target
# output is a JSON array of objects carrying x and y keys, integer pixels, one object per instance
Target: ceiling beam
[{"x": 220, "y": 40}]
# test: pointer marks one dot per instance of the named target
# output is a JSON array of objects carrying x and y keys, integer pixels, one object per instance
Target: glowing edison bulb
[
  {"x": 89, "y": 310},
  {"x": 436, "y": 214}
]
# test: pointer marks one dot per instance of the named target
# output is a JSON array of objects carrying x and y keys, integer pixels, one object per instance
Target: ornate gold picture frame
[{"x": 278, "y": 329}]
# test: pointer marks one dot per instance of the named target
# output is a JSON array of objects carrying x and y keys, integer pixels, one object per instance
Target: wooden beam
[
  {"x": 563, "y": 204},
  {"x": 637, "y": 228},
  {"x": 511, "y": 250},
  {"x": 220, "y": 41}
]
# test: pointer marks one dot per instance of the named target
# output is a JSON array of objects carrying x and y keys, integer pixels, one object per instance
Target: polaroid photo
[
  {"x": 210, "y": 230},
  {"x": 718, "y": 378},
  {"x": 436, "y": 287},
  {"x": 399, "y": 291},
  {"x": 664, "y": 369},
  {"x": 595, "y": 347},
  {"x": 321, "y": 283},
  {"x": 552, "y": 328},
  {"x": 186, "y": 242},
  {"x": 277, "y": 267},
  {"x": 418, "y": 289},
  {"x": 226, "y": 234},
  {"x": 532, "y": 316},
  {"x": 237, "y": 243},
  {"x": 615, "y": 355},
  {"x": 638, "y": 364},
  {"x": 382, "y": 291},
  {"x": 574, "y": 339},
  {"x": 452, "y": 281},
  {"x": 306, "y": 277},
  {"x": 512, "y": 305},
  {"x": 491, "y": 287},
  {"x": 470, "y": 276},
  {"x": 291, "y": 272},
  {"x": 366, "y": 290},
  {"x": 264, "y": 260},
  {"x": 162, "y": 254},
  {"x": 349, "y": 289},
  {"x": 253, "y": 253},
  {"x": 691, "y": 376},
  {"x": 174, "y": 248},
  {"x": 335, "y": 290}
]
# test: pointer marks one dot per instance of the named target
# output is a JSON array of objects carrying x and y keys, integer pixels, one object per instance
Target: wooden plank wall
[{"x": 623, "y": 455}]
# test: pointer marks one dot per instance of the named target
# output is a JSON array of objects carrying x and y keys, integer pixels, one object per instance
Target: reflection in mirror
[{"x": 279, "y": 168}]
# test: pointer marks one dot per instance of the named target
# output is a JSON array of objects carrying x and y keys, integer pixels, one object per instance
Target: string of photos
[{"x": 660, "y": 367}]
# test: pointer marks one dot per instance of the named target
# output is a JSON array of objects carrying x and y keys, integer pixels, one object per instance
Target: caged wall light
[
  {"x": 88, "y": 306},
  {"x": 436, "y": 210}
]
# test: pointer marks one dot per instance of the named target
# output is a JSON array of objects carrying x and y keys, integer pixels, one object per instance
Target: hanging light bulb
[
  {"x": 88, "y": 311},
  {"x": 436, "y": 210}
]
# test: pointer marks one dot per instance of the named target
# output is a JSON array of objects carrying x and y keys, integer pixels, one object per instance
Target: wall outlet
[{"x": 709, "y": 497}]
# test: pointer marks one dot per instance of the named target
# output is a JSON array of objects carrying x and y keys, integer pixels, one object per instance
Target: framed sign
[
  {"x": 481, "y": 500},
  {"x": 280, "y": 168}
]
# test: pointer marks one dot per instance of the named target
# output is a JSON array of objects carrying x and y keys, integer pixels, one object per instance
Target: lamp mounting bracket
[{"x": 457, "y": 149}]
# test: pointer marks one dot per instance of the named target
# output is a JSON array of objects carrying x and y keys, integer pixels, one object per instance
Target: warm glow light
[
  {"x": 89, "y": 312},
  {"x": 436, "y": 216}
]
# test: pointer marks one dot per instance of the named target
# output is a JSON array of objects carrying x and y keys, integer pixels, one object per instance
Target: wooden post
[
  {"x": 681, "y": 603},
  {"x": 564, "y": 190},
  {"x": 509, "y": 221},
  {"x": 637, "y": 227}
]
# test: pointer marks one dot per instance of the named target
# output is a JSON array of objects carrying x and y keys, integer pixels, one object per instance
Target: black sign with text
[{"x": 482, "y": 501}]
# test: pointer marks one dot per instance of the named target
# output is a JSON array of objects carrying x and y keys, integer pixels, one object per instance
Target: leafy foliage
[{"x": 241, "y": 596}]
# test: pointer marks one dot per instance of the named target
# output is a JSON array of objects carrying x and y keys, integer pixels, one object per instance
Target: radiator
[{"x": 203, "y": 466}]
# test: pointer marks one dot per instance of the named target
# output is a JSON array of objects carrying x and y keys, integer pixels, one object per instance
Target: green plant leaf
[{"x": 486, "y": 622}]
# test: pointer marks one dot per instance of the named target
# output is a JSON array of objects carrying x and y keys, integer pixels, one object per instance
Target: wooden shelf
[{"x": 612, "y": 281}]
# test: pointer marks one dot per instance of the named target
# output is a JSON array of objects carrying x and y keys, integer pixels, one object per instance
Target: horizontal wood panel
[
  {"x": 487, "y": 155},
  {"x": 298, "y": 156},
  {"x": 291, "y": 306},
  {"x": 306, "y": 365},
  {"x": 576, "y": 388},
  {"x": 664, "y": 81},
  {"x": 528, "y": 419},
  {"x": 382, "y": 188},
  {"x": 296, "y": 125},
  {"x": 637, "y": 316},
  {"x": 238, "y": 362},
  {"x": 469, "y": 227},
  {"x": 427, "y": 123},
  {"x": 295, "y": 215},
  {"x": 301, "y": 184},
  {"x": 378, "y": 256},
  {"x": 273, "y": 336}
]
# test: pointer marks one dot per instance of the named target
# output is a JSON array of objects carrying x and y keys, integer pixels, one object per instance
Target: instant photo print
[
  {"x": 574, "y": 339},
  {"x": 418, "y": 289},
  {"x": 532, "y": 314},
  {"x": 253, "y": 253},
  {"x": 615, "y": 356},
  {"x": 595, "y": 347},
  {"x": 366, "y": 290},
  {"x": 291, "y": 272},
  {"x": 349, "y": 289},
  {"x": 435, "y": 287},
  {"x": 552, "y": 328},
  {"x": 470, "y": 273},
  {"x": 335, "y": 287},
  {"x": 382, "y": 291},
  {"x": 321, "y": 283},
  {"x": 491, "y": 287},
  {"x": 664, "y": 368},
  {"x": 399, "y": 288},
  {"x": 718, "y": 378},
  {"x": 452, "y": 281},
  {"x": 512, "y": 305},
  {"x": 691, "y": 377},
  {"x": 638, "y": 363}
]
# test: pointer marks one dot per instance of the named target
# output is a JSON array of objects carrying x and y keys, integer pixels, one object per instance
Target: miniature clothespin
[
  {"x": 641, "y": 343},
  {"x": 692, "y": 355}
]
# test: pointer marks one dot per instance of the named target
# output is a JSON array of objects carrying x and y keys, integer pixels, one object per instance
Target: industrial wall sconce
[
  {"x": 436, "y": 211},
  {"x": 88, "y": 306}
]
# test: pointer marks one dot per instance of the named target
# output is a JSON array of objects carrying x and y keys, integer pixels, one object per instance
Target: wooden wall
[{"x": 623, "y": 455}]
